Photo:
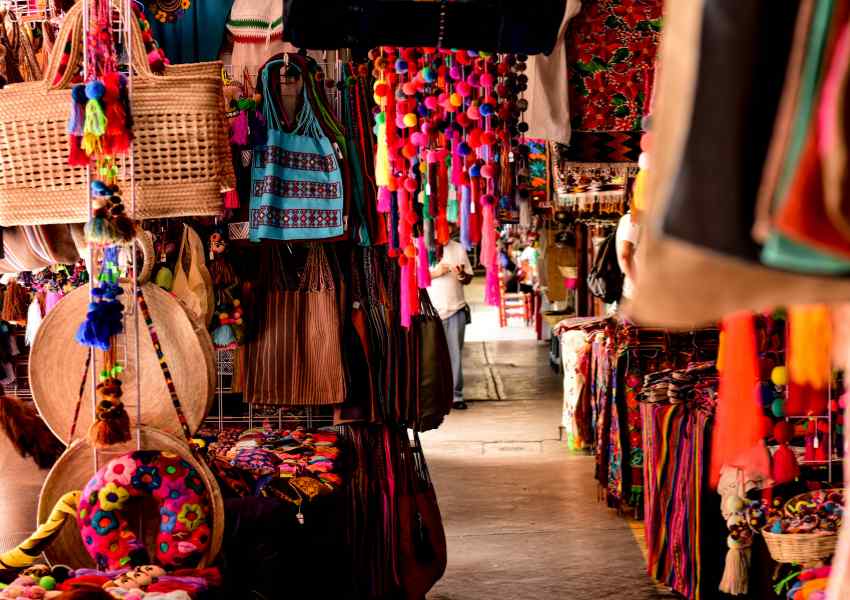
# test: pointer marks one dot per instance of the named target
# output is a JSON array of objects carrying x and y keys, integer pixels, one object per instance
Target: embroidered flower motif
[
  {"x": 112, "y": 497},
  {"x": 147, "y": 478},
  {"x": 104, "y": 522},
  {"x": 169, "y": 520},
  {"x": 194, "y": 482},
  {"x": 120, "y": 471},
  {"x": 191, "y": 516}
]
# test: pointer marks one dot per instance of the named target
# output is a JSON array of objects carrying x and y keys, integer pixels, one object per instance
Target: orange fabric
[{"x": 739, "y": 427}]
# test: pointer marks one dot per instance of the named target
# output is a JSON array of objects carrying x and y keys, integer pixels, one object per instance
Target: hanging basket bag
[{"x": 181, "y": 148}]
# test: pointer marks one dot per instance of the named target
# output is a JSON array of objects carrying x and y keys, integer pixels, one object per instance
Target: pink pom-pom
[
  {"x": 431, "y": 103},
  {"x": 418, "y": 139},
  {"x": 488, "y": 171}
]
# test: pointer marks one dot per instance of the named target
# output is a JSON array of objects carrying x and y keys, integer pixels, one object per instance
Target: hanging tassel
[
  {"x": 739, "y": 425},
  {"x": 100, "y": 229},
  {"x": 239, "y": 129},
  {"x": 231, "y": 199},
  {"x": 15, "y": 303},
  {"x": 488, "y": 229},
  {"x": 385, "y": 199},
  {"x": 784, "y": 467},
  {"x": 95, "y": 122},
  {"x": 405, "y": 292},
  {"x": 465, "y": 217},
  {"x": 117, "y": 137},
  {"x": 736, "y": 574},
  {"x": 112, "y": 423},
  {"x": 51, "y": 299},
  {"x": 491, "y": 289},
  {"x": 810, "y": 344},
  {"x": 34, "y": 318},
  {"x": 422, "y": 271}
]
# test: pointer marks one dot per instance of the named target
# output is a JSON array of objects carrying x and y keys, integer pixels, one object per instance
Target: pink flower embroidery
[{"x": 120, "y": 470}]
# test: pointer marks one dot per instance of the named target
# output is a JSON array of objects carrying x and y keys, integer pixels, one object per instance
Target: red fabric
[
  {"x": 611, "y": 48},
  {"x": 739, "y": 427}
]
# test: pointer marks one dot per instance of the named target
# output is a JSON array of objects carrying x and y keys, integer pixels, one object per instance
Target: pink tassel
[
  {"x": 385, "y": 199},
  {"x": 405, "y": 295},
  {"x": 488, "y": 230},
  {"x": 51, "y": 299},
  {"x": 422, "y": 271},
  {"x": 231, "y": 199},
  {"x": 491, "y": 289},
  {"x": 457, "y": 166},
  {"x": 412, "y": 290},
  {"x": 239, "y": 129}
]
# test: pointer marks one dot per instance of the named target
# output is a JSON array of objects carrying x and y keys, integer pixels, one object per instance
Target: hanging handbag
[
  {"x": 192, "y": 282},
  {"x": 296, "y": 358},
  {"x": 422, "y": 539},
  {"x": 297, "y": 188},
  {"x": 181, "y": 143},
  {"x": 436, "y": 387}
]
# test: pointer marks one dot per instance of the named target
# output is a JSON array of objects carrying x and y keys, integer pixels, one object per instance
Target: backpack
[{"x": 605, "y": 279}]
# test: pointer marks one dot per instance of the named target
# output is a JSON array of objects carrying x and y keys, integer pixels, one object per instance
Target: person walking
[{"x": 448, "y": 277}]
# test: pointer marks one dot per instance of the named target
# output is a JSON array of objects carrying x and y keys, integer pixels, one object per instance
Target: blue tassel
[{"x": 105, "y": 316}]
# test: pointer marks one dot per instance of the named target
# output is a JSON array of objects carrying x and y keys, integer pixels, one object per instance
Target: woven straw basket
[
  {"x": 57, "y": 362},
  {"x": 76, "y": 466},
  {"x": 800, "y": 548},
  {"x": 181, "y": 149}
]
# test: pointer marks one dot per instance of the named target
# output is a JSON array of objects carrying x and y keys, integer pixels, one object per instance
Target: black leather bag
[
  {"x": 605, "y": 279},
  {"x": 528, "y": 27}
]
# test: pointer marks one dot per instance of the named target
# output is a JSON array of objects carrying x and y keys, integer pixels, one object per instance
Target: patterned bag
[{"x": 296, "y": 182}]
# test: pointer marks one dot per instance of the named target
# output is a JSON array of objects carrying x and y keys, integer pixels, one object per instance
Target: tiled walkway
[{"x": 521, "y": 512}]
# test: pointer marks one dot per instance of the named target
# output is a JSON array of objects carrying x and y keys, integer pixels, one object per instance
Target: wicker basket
[
  {"x": 181, "y": 149},
  {"x": 800, "y": 548}
]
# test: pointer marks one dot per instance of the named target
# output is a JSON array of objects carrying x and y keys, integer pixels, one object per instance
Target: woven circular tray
[{"x": 57, "y": 362}]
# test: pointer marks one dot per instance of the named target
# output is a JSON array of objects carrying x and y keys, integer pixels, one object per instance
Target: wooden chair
[{"x": 513, "y": 305}]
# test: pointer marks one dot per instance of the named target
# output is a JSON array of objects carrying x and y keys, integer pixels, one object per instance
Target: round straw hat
[
  {"x": 76, "y": 467},
  {"x": 57, "y": 363}
]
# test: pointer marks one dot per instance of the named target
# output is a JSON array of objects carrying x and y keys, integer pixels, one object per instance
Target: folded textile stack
[
  {"x": 267, "y": 454},
  {"x": 696, "y": 384}
]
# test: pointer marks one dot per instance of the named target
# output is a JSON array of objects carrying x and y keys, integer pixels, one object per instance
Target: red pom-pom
[{"x": 783, "y": 432}]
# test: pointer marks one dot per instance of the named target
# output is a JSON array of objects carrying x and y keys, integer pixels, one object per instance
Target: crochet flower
[
  {"x": 112, "y": 497},
  {"x": 194, "y": 482},
  {"x": 175, "y": 491},
  {"x": 104, "y": 522},
  {"x": 191, "y": 515},
  {"x": 120, "y": 470},
  {"x": 169, "y": 520},
  {"x": 147, "y": 479}
]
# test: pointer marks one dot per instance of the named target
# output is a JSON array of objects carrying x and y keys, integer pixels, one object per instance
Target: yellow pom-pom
[
  {"x": 455, "y": 99},
  {"x": 409, "y": 120},
  {"x": 779, "y": 376}
]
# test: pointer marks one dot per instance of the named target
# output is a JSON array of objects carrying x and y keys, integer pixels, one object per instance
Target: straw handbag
[{"x": 181, "y": 149}]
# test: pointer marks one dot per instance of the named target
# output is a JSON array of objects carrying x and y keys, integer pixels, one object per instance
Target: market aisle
[{"x": 521, "y": 513}]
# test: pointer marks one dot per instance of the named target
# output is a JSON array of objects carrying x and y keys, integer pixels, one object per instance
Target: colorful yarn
[{"x": 184, "y": 531}]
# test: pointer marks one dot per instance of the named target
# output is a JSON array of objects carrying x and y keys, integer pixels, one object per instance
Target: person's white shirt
[
  {"x": 446, "y": 292},
  {"x": 627, "y": 231}
]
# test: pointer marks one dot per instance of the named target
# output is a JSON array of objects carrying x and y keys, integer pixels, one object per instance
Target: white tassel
[
  {"x": 735, "y": 575},
  {"x": 33, "y": 321}
]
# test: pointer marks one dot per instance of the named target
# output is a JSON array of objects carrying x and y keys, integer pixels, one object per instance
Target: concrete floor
[{"x": 520, "y": 511}]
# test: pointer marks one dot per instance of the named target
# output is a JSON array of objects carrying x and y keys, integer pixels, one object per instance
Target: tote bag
[
  {"x": 192, "y": 281},
  {"x": 296, "y": 188},
  {"x": 296, "y": 358}
]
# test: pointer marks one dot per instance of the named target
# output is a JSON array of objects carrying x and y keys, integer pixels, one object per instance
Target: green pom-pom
[
  {"x": 164, "y": 278},
  {"x": 47, "y": 582}
]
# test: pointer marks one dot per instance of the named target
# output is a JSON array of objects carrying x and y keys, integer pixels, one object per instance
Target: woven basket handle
[{"x": 72, "y": 32}]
